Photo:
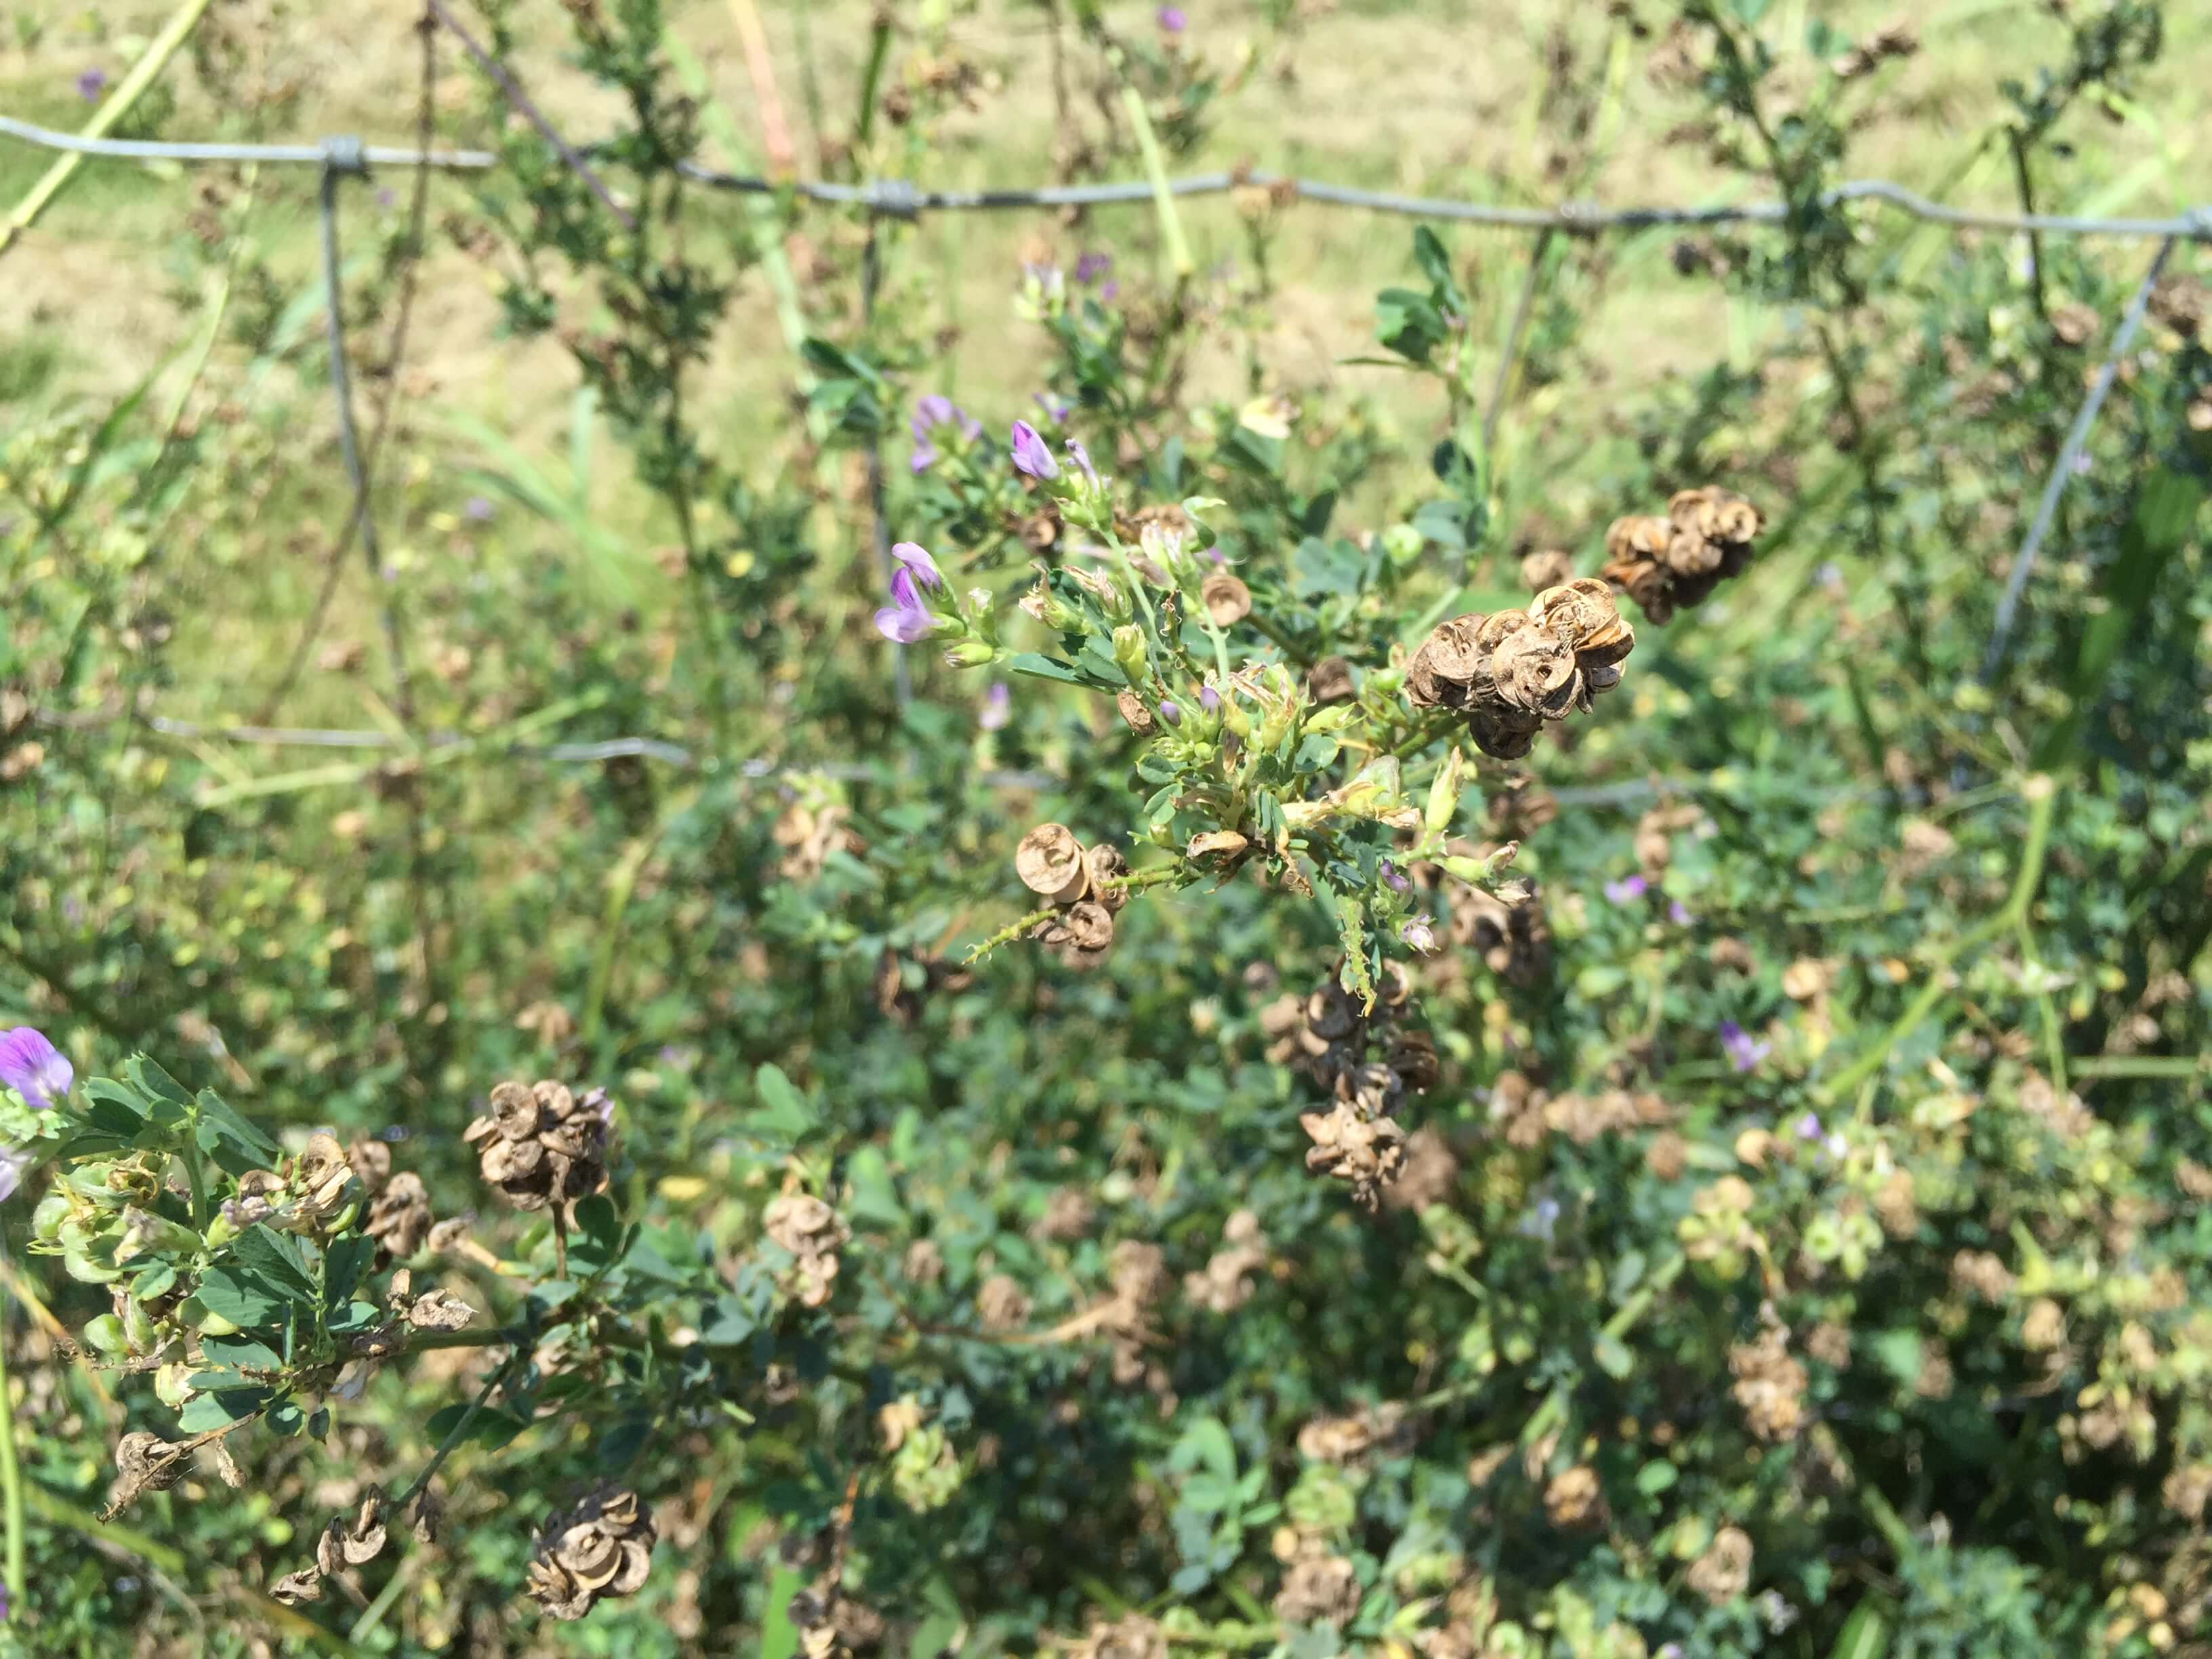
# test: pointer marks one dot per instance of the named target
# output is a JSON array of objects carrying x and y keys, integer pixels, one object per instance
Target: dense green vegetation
[{"x": 1218, "y": 926}]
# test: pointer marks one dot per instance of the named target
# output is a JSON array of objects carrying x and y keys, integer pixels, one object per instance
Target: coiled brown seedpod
[
  {"x": 1226, "y": 598},
  {"x": 601, "y": 1547},
  {"x": 1512, "y": 670},
  {"x": 1665, "y": 562},
  {"x": 1507, "y": 928},
  {"x": 1547, "y": 568},
  {"x": 1330, "y": 681},
  {"x": 398, "y": 1218},
  {"x": 543, "y": 1144},
  {"x": 1053, "y": 864},
  {"x": 1049, "y": 861},
  {"x": 813, "y": 1233}
]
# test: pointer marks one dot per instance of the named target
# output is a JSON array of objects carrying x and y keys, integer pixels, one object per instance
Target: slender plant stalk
[
  {"x": 1156, "y": 169},
  {"x": 11, "y": 1475},
  {"x": 143, "y": 75}
]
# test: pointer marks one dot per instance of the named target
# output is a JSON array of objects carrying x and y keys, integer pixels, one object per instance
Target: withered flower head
[
  {"x": 601, "y": 1547},
  {"x": 544, "y": 1144},
  {"x": 352, "y": 1540},
  {"x": 398, "y": 1218}
]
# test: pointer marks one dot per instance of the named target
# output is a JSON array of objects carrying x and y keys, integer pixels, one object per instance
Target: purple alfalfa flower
[
  {"x": 1170, "y": 19},
  {"x": 998, "y": 707},
  {"x": 1056, "y": 408},
  {"x": 1393, "y": 878},
  {"x": 1627, "y": 891},
  {"x": 1743, "y": 1051},
  {"x": 12, "y": 1162},
  {"x": 1420, "y": 934},
  {"x": 915, "y": 557},
  {"x": 476, "y": 510},
  {"x": 1030, "y": 455},
  {"x": 1209, "y": 699},
  {"x": 906, "y": 619},
  {"x": 1679, "y": 914},
  {"x": 1081, "y": 457},
  {"x": 91, "y": 83},
  {"x": 34, "y": 1068},
  {"x": 1171, "y": 711},
  {"x": 932, "y": 412},
  {"x": 1808, "y": 1126},
  {"x": 1092, "y": 266},
  {"x": 924, "y": 457}
]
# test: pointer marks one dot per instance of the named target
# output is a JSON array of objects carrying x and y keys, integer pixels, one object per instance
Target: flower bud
[
  {"x": 1171, "y": 713},
  {"x": 969, "y": 654},
  {"x": 1443, "y": 795},
  {"x": 1129, "y": 651}
]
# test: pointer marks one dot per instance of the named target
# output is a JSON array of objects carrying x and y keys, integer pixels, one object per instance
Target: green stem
[
  {"x": 11, "y": 1475},
  {"x": 125, "y": 97},
  {"x": 1156, "y": 169},
  {"x": 1131, "y": 884}
]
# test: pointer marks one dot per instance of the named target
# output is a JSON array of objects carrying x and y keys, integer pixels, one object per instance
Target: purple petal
[
  {"x": 1393, "y": 878},
  {"x": 1082, "y": 458},
  {"x": 906, "y": 625},
  {"x": 924, "y": 458},
  {"x": 1091, "y": 266},
  {"x": 1678, "y": 915},
  {"x": 1170, "y": 19},
  {"x": 1628, "y": 888},
  {"x": 1030, "y": 455},
  {"x": 34, "y": 1067},
  {"x": 933, "y": 411},
  {"x": 1170, "y": 713},
  {"x": 12, "y": 1165},
  {"x": 1209, "y": 699},
  {"x": 998, "y": 707},
  {"x": 915, "y": 557}
]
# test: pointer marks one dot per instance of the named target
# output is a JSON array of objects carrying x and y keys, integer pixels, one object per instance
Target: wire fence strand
[{"x": 900, "y": 198}]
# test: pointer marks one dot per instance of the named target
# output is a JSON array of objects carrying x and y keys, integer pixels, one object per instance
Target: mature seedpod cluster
[
  {"x": 601, "y": 1547},
  {"x": 1675, "y": 559},
  {"x": 1073, "y": 880},
  {"x": 1507, "y": 928},
  {"x": 813, "y": 1233},
  {"x": 544, "y": 1144},
  {"x": 1510, "y": 673},
  {"x": 1369, "y": 1062}
]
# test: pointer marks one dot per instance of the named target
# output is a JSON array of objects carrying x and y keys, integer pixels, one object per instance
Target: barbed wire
[{"x": 900, "y": 198}]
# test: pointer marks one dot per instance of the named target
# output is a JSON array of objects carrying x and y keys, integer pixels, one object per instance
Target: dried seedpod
[
  {"x": 601, "y": 1547},
  {"x": 1139, "y": 718},
  {"x": 1050, "y": 863},
  {"x": 1104, "y": 863},
  {"x": 1510, "y": 671},
  {"x": 543, "y": 1144},
  {"x": 1547, "y": 568},
  {"x": 1506, "y": 927},
  {"x": 1329, "y": 680},
  {"x": 1053, "y": 864},
  {"x": 398, "y": 1218},
  {"x": 352, "y": 1540},
  {"x": 1226, "y": 598},
  {"x": 1369, "y": 1060},
  {"x": 813, "y": 1233},
  {"x": 1665, "y": 562}
]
